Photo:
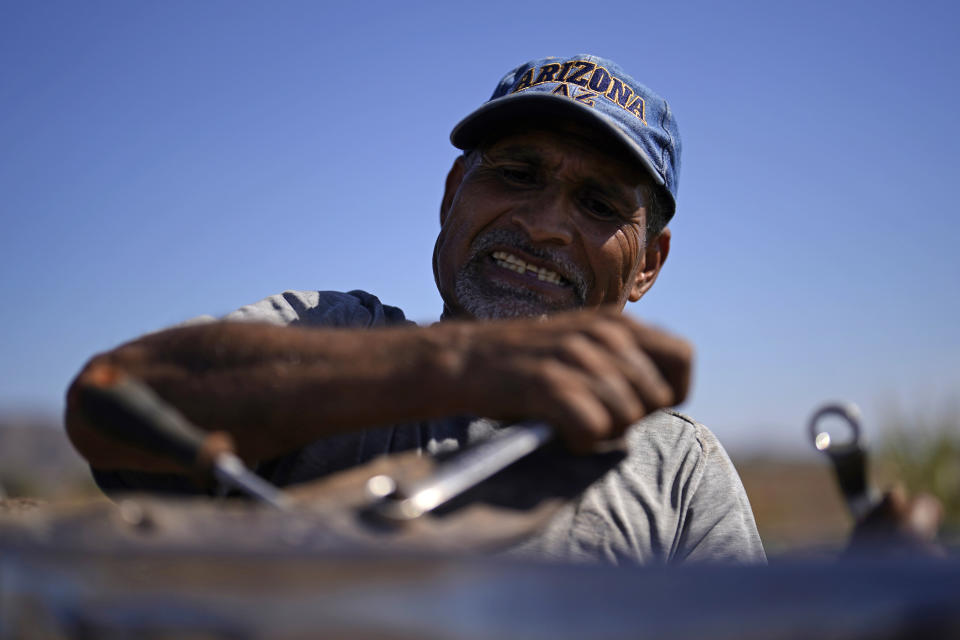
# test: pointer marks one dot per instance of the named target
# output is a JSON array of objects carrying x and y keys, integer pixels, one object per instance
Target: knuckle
[
  {"x": 555, "y": 380},
  {"x": 595, "y": 428},
  {"x": 612, "y": 334},
  {"x": 615, "y": 388},
  {"x": 662, "y": 396},
  {"x": 574, "y": 346}
]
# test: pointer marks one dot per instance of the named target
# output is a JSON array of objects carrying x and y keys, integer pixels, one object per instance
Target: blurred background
[{"x": 160, "y": 161}]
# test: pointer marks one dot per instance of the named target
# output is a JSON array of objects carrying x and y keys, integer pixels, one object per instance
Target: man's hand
[
  {"x": 898, "y": 525},
  {"x": 590, "y": 374}
]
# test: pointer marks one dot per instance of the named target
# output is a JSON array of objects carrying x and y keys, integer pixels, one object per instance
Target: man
[{"x": 551, "y": 221}]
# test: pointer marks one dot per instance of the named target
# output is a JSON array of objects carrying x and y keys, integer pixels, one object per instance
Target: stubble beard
[{"x": 486, "y": 299}]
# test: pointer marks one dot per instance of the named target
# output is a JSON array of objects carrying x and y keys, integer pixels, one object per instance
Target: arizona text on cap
[{"x": 594, "y": 91}]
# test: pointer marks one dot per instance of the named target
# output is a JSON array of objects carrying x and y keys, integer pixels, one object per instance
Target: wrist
[{"x": 446, "y": 348}]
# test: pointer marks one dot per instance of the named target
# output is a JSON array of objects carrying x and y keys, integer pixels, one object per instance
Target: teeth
[{"x": 512, "y": 262}]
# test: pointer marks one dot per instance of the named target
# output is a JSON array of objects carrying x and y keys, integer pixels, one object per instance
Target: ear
[
  {"x": 454, "y": 178},
  {"x": 654, "y": 255}
]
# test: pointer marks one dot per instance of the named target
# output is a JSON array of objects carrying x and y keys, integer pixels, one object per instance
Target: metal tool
[
  {"x": 466, "y": 470},
  {"x": 128, "y": 410},
  {"x": 848, "y": 456},
  {"x": 230, "y": 471}
]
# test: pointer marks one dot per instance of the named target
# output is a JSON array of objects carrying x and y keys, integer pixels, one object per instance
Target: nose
[{"x": 546, "y": 219}]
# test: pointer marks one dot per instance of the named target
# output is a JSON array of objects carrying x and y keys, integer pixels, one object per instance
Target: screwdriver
[{"x": 128, "y": 410}]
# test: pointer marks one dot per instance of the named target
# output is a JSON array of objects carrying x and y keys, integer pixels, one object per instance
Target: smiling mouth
[{"x": 513, "y": 263}]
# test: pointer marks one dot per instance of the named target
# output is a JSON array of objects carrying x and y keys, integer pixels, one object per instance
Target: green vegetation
[{"x": 922, "y": 451}]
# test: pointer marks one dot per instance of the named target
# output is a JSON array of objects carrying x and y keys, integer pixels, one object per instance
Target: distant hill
[{"x": 37, "y": 459}]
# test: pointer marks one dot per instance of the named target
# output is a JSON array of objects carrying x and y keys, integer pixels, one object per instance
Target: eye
[
  {"x": 519, "y": 175},
  {"x": 599, "y": 208}
]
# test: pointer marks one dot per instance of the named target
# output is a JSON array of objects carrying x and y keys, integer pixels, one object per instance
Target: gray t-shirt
[{"x": 675, "y": 497}]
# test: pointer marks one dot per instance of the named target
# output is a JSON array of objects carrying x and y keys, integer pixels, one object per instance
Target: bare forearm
[{"x": 273, "y": 388}]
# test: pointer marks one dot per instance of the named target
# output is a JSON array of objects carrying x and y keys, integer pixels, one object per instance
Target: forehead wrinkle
[{"x": 524, "y": 152}]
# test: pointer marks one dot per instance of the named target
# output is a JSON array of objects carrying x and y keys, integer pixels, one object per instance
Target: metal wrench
[
  {"x": 464, "y": 471},
  {"x": 849, "y": 457}
]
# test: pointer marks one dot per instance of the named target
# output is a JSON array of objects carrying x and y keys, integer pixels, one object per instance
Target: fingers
[
  {"x": 581, "y": 418},
  {"x": 628, "y": 371},
  {"x": 899, "y": 524},
  {"x": 636, "y": 365},
  {"x": 606, "y": 376},
  {"x": 918, "y": 517},
  {"x": 657, "y": 364},
  {"x": 670, "y": 356},
  {"x": 589, "y": 373},
  {"x": 925, "y": 516}
]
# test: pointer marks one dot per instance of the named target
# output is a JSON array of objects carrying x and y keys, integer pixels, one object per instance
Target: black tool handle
[
  {"x": 127, "y": 410},
  {"x": 850, "y": 465}
]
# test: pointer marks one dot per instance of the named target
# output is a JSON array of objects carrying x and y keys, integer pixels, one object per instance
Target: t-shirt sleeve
[
  {"x": 356, "y": 309},
  {"x": 717, "y": 524}
]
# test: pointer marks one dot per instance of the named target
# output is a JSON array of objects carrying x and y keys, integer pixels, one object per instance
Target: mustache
[{"x": 486, "y": 242}]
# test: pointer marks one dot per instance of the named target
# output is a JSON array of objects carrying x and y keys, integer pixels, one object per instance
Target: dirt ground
[{"x": 797, "y": 505}]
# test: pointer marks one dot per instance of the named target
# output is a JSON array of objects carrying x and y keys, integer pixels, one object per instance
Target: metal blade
[
  {"x": 231, "y": 471},
  {"x": 459, "y": 474}
]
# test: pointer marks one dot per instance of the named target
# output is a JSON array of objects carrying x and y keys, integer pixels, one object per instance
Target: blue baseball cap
[{"x": 593, "y": 91}]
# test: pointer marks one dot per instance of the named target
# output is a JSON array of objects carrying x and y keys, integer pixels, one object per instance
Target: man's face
[{"x": 543, "y": 221}]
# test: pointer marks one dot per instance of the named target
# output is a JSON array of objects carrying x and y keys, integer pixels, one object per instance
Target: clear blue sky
[{"x": 161, "y": 160}]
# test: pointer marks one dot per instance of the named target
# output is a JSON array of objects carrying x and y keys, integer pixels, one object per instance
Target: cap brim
[{"x": 472, "y": 130}]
